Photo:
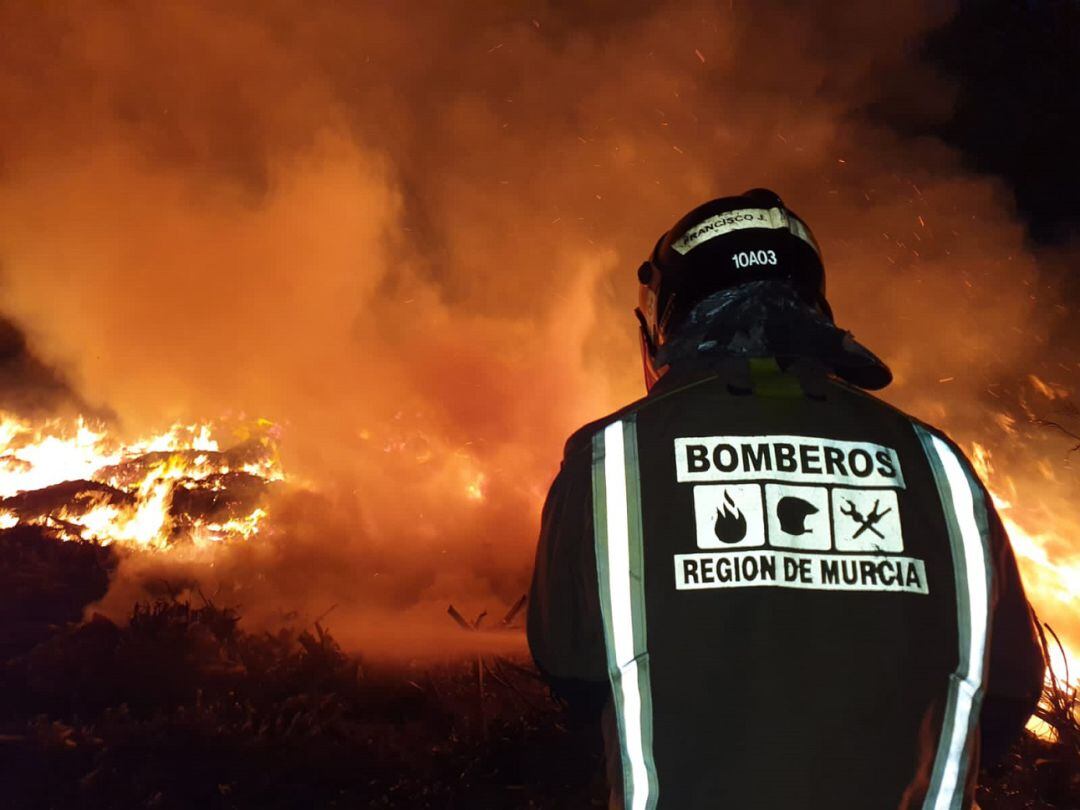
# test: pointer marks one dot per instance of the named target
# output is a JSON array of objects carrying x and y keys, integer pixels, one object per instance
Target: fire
[
  {"x": 79, "y": 482},
  {"x": 1050, "y": 581},
  {"x": 1038, "y": 494}
]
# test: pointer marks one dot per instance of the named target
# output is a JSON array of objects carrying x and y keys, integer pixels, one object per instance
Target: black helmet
[{"x": 724, "y": 243}]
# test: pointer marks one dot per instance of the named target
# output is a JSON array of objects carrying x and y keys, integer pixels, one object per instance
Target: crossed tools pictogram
[{"x": 867, "y": 522}]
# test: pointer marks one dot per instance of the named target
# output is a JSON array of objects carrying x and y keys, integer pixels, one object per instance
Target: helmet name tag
[
  {"x": 714, "y": 226},
  {"x": 740, "y": 219}
]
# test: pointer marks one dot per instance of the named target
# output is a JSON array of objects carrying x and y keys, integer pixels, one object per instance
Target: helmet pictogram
[{"x": 792, "y": 513}]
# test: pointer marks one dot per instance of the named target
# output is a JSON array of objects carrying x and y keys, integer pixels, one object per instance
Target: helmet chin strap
[
  {"x": 648, "y": 352},
  {"x": 645, "y": 336}
]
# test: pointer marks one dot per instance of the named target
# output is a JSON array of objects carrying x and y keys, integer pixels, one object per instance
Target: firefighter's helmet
[{"x": 724, "y": 243}]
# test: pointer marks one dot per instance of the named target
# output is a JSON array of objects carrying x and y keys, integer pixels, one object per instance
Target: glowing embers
[{"x": 78, "y": 482}]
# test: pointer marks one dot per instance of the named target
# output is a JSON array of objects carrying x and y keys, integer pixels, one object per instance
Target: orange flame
[
  {"x": 1050, "y": 582},
  {"x": 138, "y": 481}
]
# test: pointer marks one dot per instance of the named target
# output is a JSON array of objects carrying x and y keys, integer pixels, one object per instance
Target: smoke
[{"x": 408, "y": 233}]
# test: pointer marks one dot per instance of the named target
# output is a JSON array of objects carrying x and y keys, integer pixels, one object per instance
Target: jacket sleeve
[
  {"x": 565, "y": 627},
  {"x": 1016, "y": 665}
]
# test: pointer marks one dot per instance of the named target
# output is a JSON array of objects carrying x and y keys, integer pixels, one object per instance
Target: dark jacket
[{"x": 793, "y": 595}]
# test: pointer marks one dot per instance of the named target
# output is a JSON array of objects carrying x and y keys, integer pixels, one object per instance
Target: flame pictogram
[{"x": 730, "y": 526}]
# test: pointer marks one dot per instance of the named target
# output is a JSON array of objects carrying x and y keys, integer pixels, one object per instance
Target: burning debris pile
[
  {"x": 78, "y": 483},
  {"x": 74, "y": 501}
]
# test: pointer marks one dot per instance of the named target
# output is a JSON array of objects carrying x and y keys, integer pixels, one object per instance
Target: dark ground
[{"x": 182, "y": 709}]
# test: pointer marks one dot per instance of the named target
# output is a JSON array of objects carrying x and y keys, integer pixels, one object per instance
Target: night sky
[{"x": 1018, "y": 109}]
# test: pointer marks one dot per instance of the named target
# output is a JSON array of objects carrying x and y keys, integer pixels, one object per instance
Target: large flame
[
  {"x": 77, "y": 480},
  {"x": 1051, "y": 582},
  {"x": 1037, "y": 511}
]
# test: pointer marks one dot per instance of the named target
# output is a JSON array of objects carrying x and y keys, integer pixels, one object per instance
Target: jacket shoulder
[
  {"x": 877, "y": 402},
  {"x": 581, "y": 439},
  {"x": 915, "y": 423}
]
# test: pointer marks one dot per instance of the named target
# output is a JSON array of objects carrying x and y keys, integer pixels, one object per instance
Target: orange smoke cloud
[{"x": 410, "y": 239}]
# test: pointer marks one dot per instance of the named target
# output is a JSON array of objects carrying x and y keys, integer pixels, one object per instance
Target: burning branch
[
  {"x": 1057, "y": 426},
  {"x": 483, "y": 666},
  {"x": 1058, "y": 707}
]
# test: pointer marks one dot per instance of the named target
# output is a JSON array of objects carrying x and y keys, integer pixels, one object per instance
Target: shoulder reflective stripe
[
  {"x": 965, "y": 514},
  {"x": 620, "y": 571}
]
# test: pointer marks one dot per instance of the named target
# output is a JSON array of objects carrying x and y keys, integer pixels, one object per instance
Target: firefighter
[{"x": 775, "y": 590}]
